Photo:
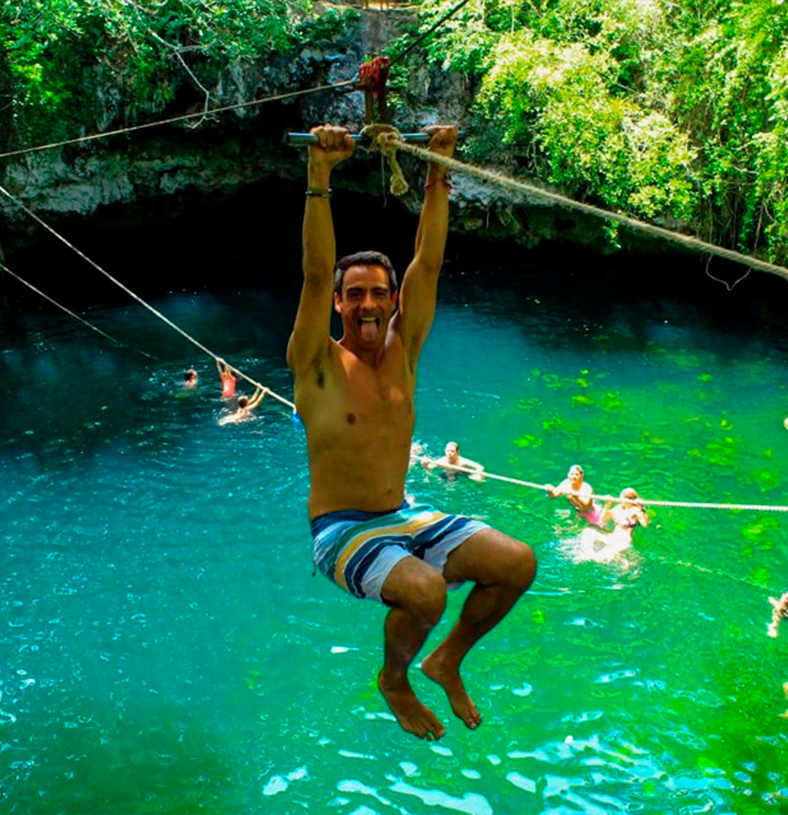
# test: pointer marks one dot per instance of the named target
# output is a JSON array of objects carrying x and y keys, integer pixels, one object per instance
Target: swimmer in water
[
  {"x": 189, "y": 381},
  {"x": 451, "y": 459},
  {"x": 779, "y": 612},
  {"x": 228, "y": 379},
  {"x": 580, "y": 495},
  {"x": 627, "y": 515},
  {"x": 245, "y": 407}
]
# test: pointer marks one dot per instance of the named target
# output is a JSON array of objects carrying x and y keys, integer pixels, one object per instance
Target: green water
[{"x": 165, "y": 648}]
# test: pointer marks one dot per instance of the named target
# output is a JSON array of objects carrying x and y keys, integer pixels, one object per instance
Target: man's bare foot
[
  {"x": 413, "y": 716},
  {"x": 451, "y": 682}
]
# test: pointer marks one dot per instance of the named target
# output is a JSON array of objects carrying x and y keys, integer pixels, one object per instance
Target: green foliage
[
  {"x": 51, "y": 46},
  {"x": 560, "y": 110},
  {"x": 676, "y": 112},
  {"x": 465, "y": 39},
  {"x": 329, "y": 25}
]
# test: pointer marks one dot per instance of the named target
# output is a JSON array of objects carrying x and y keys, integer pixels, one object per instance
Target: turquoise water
[{"x": 165, "y": 647}]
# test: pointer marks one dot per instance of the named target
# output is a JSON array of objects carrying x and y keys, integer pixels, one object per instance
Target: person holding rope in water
[
  {"x": 227, "y": 378},
  {"x": 779, "y": 613},
  {"x": 452, "y": 458},
  {"x": 580, "y": 495},
  {"x": 627, "y": 515},
  {"x": 246, "y": 405},
  {"x": 356, "y": 399}
]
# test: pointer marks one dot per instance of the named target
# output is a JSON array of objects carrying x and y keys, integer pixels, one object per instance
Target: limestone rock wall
[{"x": 148, "y": 174}]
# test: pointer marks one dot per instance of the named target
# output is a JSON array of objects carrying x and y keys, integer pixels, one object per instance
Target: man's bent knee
[
  {"x": 514, "y": 565},
  {"x": 523, "y": 570},
  {"x": 491, "y": 557},
  {"x": 417, "y": 588}
]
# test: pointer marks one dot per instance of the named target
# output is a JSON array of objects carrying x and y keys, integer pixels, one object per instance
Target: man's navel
[{"x": 351, "y": 418}]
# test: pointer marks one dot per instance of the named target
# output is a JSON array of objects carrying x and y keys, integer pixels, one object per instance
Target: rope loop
[{"x": 387, "y": 139}]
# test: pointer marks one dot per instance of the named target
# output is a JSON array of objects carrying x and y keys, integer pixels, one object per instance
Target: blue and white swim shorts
[{"x": 357, "y": 550}]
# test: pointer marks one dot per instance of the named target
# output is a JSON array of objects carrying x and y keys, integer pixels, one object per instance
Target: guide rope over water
[
  {"x": 614, "y": 498},
  {"x": 266, "y": 390}
]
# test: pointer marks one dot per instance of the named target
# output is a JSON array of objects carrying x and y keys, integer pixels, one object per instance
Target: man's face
[
  {"x": 452, "y": 452},
  {"x": 366, "y": 305}
]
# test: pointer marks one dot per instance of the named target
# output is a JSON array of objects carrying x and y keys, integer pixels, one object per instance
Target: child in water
[
  {"x": 228, "y": 379},
  {"x": 627, "y": 515}
]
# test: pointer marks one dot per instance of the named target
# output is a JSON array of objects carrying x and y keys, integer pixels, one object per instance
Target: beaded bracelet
[{"x": 315, "y": 193}]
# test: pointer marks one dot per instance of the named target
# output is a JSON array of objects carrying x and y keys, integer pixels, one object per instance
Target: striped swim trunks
[{"x": 357, "y": 550}]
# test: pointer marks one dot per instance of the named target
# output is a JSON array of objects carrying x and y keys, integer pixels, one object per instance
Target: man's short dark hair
[{"x": 369, "y": 258}]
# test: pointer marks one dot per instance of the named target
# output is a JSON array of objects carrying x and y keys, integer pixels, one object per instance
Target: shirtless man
[
  {"x": 452, "y": 458},
  {"x": 356, "y": 399}
]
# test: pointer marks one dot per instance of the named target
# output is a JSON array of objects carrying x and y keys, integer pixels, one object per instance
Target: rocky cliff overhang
[{"x": 145, "y": 176}]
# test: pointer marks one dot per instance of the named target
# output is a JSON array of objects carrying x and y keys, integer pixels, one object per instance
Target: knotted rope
[{"x": 386, "y": 138}]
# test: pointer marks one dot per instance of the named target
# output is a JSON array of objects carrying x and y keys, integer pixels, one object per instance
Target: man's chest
[{"x": 380, "y": 393}]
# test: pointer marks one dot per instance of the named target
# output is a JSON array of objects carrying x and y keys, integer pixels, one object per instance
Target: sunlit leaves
[
  {"x": 49, "y": 44},
  {"x": 672, "y": 112}
]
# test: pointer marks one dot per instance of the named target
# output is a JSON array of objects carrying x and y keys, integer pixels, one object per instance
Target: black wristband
[{"x": 315, "y": 193}]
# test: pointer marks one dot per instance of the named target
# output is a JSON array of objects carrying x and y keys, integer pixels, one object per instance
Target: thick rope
[
  {"x": 184, "y": 118},
  {"x": 72, "y": 314},
  {"x": 612, "y": 498},
  {"x": 385, "y": 139},
  {"x": 521, "y": 186},
  {"x": 136, "y": 297}
]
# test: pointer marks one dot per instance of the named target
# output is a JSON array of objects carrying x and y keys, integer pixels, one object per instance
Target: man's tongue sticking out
[{"x": 369, "y": 328}]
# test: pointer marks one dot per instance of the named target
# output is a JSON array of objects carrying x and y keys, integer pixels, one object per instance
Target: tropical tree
[
  {"x": 671, "y": 112},
  {"x": 52, "y": 50}
]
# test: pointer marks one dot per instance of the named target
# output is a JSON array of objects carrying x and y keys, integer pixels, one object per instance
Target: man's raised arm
[
  {"x": 313, "y": 319},
  {"x": 420, "y": 284}
]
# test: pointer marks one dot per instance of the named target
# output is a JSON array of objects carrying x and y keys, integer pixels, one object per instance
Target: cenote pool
[{"x": 165, "y": 648}]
